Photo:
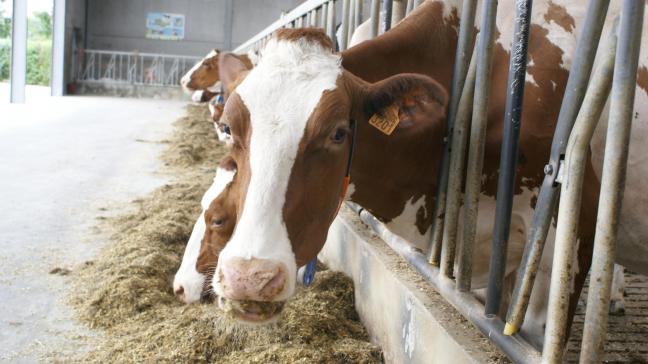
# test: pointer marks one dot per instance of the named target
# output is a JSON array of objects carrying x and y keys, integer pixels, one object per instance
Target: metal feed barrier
[
  {"x": 581, "y": 109},
  {"x": 132, "y": 68}
]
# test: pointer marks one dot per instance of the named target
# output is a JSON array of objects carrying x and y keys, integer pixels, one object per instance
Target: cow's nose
[
  {"x": 179, "y": 291},
  {"x": 252, "y": 279}
]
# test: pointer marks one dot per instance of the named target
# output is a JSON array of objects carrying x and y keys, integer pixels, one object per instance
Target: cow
[
  {"x": 204, "y": 75},
  {"x": 290, "y": 122},
  {"x": 201, "y": 96},
  {"x": 191, "y": 280}
]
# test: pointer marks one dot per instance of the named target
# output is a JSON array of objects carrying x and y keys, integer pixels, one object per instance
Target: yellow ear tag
[{"x": 387, "y": 121}]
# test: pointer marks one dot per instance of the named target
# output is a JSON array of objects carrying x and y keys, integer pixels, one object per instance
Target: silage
[{"x": 126, "y": 290}]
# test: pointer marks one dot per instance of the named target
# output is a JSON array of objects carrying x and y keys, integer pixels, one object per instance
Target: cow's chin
[{"x": 251, "y": 312}]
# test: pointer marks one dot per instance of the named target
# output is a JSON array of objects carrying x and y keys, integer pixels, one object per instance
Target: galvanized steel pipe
[
  {"x": 358, "y": 13},
  {"x": 375, "y": 18},
  {"x": 509, "y": 154},
  {"x": 344, "y": 30},
  {"x": 613, "y": 180},
  {"x": 18, "y": 52},
  {"x": 518, "y": 350},
  {"x": 386, "y": 15},
  {"x": 462, "y": 59},
  {"x": 548, "y": 196},
  {"x": 570, "y": 203},
  {"x": 330, "y": 30},
  {"x": 460, "y": 133},
  {"x": 477, "y": 142},
  {"x": 398, "y": 11}
]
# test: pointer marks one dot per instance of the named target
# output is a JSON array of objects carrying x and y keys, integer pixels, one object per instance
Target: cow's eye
[
  {"x": 226, "y": 129},
  {"x": 339, "y": 135},
  {"x": 217, "y": 222}
]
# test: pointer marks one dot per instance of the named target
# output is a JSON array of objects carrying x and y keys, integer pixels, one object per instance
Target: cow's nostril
[{"x": 179, "y": 291}]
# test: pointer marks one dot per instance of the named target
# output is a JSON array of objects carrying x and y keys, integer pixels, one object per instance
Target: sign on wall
[{"x": 165, "y": 26}]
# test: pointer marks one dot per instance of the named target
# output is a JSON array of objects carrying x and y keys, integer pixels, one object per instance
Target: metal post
[
  {"x": 312, "y": 18},
  {"x": 227, "y": 24},
  {"x": 58, "y": 48},
  {"x": 344, "y": 30},
  {"x": 398, "y": 11},
  {"x": 19, "y": 51},
  {"x": 460, "y": 130},
  {"x": 330, "y": 30},
  {"x": 548, "y": 196},
  {"x": 613, "y": 180},
  {"x": 570, "y": 202},
  {"x": 375, "y": 14},
  {"x": 387, "y": 15},
  {"x": 358, "y": 13},
  {"x": 352, "y": 9},
  {"x": 464, "y": 45},
  {"x": 477, "y": 142},
  {"x": 410, "y": 7},
  {"x": 417, "y": 3},
  {"x": 323, "y": 16},
  {"x": 509, "y": 154}
]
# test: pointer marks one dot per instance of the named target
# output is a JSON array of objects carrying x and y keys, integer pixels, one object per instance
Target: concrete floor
[{"x": 63, "y": 162}]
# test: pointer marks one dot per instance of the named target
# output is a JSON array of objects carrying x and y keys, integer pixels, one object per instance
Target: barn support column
[
  {"x": 227, "y": 25},
  {"x": 58, "y": 48},
  {"x": 18, "y": 51}
]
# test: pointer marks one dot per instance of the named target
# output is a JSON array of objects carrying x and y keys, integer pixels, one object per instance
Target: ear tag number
[{"x": 387, "y": 121}]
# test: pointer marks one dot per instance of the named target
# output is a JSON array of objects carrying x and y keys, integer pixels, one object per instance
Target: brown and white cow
[
  {"x": 290, "y": 124},
  {"x": 210, "y": 233}
]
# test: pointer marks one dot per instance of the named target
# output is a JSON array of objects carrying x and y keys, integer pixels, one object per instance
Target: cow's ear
[
  {"x": 404, "y": 101},
  {"x": 231, "y": 69}
]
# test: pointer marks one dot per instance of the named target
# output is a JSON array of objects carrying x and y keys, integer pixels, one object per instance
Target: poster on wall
[{"x": 165, "y": 26}]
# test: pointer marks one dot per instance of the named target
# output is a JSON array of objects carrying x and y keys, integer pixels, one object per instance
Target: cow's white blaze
[
  {"x": 188, "y": 277},
  {"x": 280, "y": 95}
]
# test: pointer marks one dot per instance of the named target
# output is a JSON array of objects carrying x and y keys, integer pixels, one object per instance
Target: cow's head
[
  {"x": 216, "y": 106},
  {"x": 290, "y": 120},
  {"x": 211, "y": 232},
  {"x": 204, "y": 74}
]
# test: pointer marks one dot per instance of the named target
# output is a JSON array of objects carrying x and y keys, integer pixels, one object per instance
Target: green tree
[
  {"x": 5, "y": 23},
  {"x": 40, "y": 25}
]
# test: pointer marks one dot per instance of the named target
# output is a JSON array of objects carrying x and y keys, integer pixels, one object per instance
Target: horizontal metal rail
[
  {"x": 293, "y": 15},
  {"x": 131, "y": 68},
  {"x": 516, "y": 348}
]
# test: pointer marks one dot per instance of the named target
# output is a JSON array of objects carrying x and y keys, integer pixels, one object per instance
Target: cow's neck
[
  {"x": 391, "y": 176},
  {"x": 424, "y": 42}
]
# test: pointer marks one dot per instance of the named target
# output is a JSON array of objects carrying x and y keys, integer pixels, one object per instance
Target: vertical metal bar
[
  {"x": 570, "y": 204},
  {"x": 460, "y": 132},
  {"x": 417, "y": 3},
  {"x": 227, "y": 24},
  {"x": 358, "y": 13},
  {"x": 509, "y": 155},
  {"x": 398, "y": 11},
  {"x": 312, "y": 18},
  {"x": 613, "y": 180},
  {"x": 548, "y": 196},
  {"x": 352, "y": 9},
  {"x": 19, "y": 51},
  {"x": 344, "y": 31},
  {"x": 323, "y": 16},
  {"x": 58, "y": 48},
  {"x": 331, "y": 21},
  {"x": 375, "y": 14},
  {"x": 410, "y": 7},
  {"x": 464, "y": 45},
  {"x": 477, "y": 141},
  {"x": 386, "y": 15}
]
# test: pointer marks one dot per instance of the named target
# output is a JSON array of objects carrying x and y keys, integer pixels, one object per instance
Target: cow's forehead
[{"x": 280, "y": 94}]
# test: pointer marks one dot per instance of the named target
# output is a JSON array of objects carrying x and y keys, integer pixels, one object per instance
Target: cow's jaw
[{"x": 280, "y": 95}]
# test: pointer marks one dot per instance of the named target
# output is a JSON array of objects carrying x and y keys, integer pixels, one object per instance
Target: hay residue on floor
[{"x": 126, "y": 290}]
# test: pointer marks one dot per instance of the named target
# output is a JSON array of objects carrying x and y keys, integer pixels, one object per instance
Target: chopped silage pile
[{"x": 126, "y": 290}]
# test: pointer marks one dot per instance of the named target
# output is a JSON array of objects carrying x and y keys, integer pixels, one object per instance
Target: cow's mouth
[{"x": 256, "y": 312}]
